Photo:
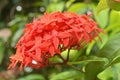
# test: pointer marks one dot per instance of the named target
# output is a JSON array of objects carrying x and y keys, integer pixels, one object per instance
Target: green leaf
[
  {"x": 115, "y": 5},
  {"x": 108, "y": 52},
  {"x": 89, "y": 60},
  {"x": 110, "y": 48},
  {"x": 2, "y": 48},
  {"x": 111, "y": 73},
  {"x": 114, "y": 17},
  {"x": 101, "y": 6},
  {"x": 93, "y": 67},
  {"x": 104, "y": 38},
  {"x": 107, "y": 74},
  {"x": 116, "y": 59},
  {"x": 102, "y": 21},
  {"x": 68, "y": 75},
  {"x": 55, "y": 7},
  {"x": 32, "y": 77},
  {"x": 100, "y": 44},
  {"x": 16, "y": 36},
  {"x": 77, "y": 7},
  {"x": 114, "y": 26}
]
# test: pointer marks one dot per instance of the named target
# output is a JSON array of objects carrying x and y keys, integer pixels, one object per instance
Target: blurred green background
[{"x": 96, "y": 61}]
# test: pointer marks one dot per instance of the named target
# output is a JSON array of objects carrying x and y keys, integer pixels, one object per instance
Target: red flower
[
  {"x": 52, "y": 34},
  {"x": 117, "y": 0}
]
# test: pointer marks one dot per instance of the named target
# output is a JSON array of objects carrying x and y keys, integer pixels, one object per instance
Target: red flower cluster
[
  {"x": 117, "y": 0},
  {"x": 50, "y": 35}
]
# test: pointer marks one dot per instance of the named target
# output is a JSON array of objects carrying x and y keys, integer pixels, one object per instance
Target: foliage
[{"x": 96, "y": 61}]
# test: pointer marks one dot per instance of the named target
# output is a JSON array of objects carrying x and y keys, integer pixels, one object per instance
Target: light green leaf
[
  {"x": 102, "y": 21},
  {"x": 114, "y": 17},
  {"x": 117, "y": 58},
  {"x": 89, "y": 60},
  {"x": 16, "y": 36},
  {"x": 101, "y": 6},
  {"x": 114, "y": 25},
  {"x": 55, "y": 7},
  {"x": 72, "y": 54},
  {"x": 107, "y": 74},
  {"x": 111, "y": 73},
  {"x": 78, "y": 7}
]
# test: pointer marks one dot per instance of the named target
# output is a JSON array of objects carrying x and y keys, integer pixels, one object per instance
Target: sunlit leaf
[
  {"x": 78, "y": 7},
  {"x": 102, "y": 21},
  {"x": 107, "y": 74},
  {"x": 101, "y": 6},
  {"x": 55, "y": 7}
]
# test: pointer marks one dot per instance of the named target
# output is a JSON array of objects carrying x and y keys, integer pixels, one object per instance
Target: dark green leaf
[
  {"x": 110, "y": 48},
  {"x": 2, "y": 48},
  {"x": 94, "y": 67}
]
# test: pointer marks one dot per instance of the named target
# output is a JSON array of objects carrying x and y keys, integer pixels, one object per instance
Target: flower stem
[
  {"x": 76, "y": 68},
  {"x": 68, "y": 55}
]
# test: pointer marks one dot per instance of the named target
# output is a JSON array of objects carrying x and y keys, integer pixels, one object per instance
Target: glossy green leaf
[
  {"x": 68, "y": 75},
  {"x": 101, "y": 6}
]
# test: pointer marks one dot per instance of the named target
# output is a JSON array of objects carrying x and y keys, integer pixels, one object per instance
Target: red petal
[
  {"x": 63, "y": 35},
  {"x": 56, "y": 42},
  {"x": 45, "y": 44},
  {"x": 86, "y": 37},
  {"x": 66, "y": 42},
  {"x": 51, "y": 50},
  {"x": 38, "y": 54}
]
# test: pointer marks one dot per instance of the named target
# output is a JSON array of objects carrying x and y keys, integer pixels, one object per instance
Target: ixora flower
[{"x": 52, "y": 34}]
